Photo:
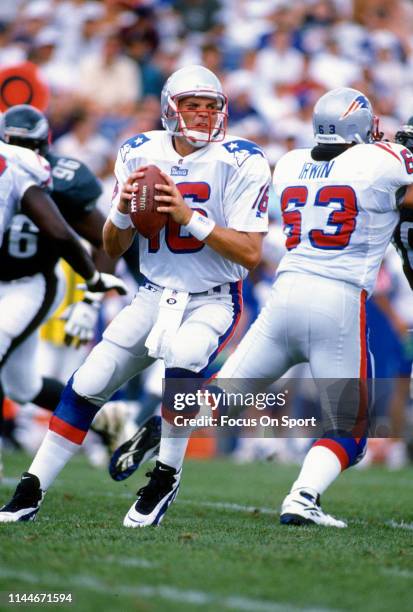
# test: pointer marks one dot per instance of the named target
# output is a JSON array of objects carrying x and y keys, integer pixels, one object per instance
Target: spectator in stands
[
  {"x": 110, "y": 81},
  {"x": 84, "y": 141}
]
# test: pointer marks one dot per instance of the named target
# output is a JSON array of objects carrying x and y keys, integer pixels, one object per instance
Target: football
[{"x": 142, "y": 209}]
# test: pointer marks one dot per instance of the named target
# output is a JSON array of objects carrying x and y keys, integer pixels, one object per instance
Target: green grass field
[{"x": 220, "y": 546}]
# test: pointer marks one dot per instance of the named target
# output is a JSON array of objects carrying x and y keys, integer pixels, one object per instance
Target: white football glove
[
  {"x": 102, "y": 282},
  {"x": 81, "y": 319}
]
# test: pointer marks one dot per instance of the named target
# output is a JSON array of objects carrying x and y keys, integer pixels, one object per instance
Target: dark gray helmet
[
  {"x": 25, "y": 126},
  {"x": 405, "y": 135}
]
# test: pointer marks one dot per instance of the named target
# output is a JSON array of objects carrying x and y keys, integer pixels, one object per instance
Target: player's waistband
[
  {"x": 289, "y": 276},
  {"x": 224, "y": 289}
]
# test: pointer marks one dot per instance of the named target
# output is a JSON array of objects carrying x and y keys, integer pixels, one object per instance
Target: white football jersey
[
  {"x": 19, "y": 169},
  {"x": 226, "y": 181},
  {"x": 339, "y": 216}
]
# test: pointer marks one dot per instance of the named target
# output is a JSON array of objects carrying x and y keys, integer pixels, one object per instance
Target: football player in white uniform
[
  {"x": 340, "y": 208},
  {"x": 216, "y": 197},
  {"x": 30, "y": 288},
  {"x": 23, "y": 177}
]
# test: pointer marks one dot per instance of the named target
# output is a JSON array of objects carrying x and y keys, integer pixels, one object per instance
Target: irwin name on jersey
[{"x": 317, "y": 170}]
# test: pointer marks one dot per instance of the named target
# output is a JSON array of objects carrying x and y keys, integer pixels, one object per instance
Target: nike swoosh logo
[{"x": 134, "y": 520}]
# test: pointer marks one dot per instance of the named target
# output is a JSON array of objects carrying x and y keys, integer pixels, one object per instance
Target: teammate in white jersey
[
  {"x": 19, "y": 170},
  {"x": 340, "y": 208},
  {"x": 23, "y": 177},
  {"x": 216, "y": 197}
]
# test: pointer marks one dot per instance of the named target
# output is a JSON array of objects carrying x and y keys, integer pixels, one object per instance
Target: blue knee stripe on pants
[
  {"x": 75, "y": 409},
  {"x": 180, "y": 381},
  {"x": 354, "y": 448}
]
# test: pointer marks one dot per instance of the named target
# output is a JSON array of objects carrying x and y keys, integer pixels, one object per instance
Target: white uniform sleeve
[
  {"x": 395, "y": 172},
  {"x": 123, "y": 168},
  {"x": 121, "y": 177},
  {"x": 30, "y": 169},
  {"x": 246, "y": 196}
]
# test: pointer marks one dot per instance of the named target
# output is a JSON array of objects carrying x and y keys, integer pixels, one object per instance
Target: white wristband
[
  {"x": 200, "y": 226},
  {"x": 121, "y": 220}
]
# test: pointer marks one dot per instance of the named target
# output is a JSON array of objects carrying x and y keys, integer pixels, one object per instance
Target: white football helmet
[
  {"x": 343, "y": 115},
  {"x": 194, "y": 81}
]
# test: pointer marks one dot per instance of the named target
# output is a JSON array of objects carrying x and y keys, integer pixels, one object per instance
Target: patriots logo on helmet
[
  {"x": 359, "y": 102},
  {"x": 132, "y": 143},
  {"x": 242, "y": 150}
]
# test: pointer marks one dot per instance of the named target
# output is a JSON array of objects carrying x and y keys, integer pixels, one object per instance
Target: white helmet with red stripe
[
  {"x": 200, "y": 82},
  {"x": 343, "y": 115}
]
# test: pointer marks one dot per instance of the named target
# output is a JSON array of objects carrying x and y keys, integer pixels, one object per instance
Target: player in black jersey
[
  {"x": 28, "y": 259},
  {"x": 403, "y": 235},
  {"x": 403, "y": 241}
]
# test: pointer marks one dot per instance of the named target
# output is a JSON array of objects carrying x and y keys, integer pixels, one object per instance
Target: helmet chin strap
[{"x": 194, "y": 138}]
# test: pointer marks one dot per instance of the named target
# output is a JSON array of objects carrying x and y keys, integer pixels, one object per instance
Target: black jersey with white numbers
[{"x": 25, "y": 251}]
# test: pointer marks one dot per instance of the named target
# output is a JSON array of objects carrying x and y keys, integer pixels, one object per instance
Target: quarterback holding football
[{"x": 213, "y": 190}]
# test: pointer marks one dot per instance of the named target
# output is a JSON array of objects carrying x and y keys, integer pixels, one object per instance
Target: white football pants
[
  {"x": 25, "y": 304},
  {"x": 307, "y": 318},
  {"x": 207, "y": 324}
]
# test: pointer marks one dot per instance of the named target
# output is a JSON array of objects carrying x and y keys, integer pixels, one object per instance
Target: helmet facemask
[
  {"x": 38, "y": 146},
  {"x": 213, "y": 126},
  {"x": 404, "y": 136}
]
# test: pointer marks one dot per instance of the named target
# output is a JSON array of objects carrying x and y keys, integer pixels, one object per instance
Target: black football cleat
[
  {"x": 155, "y": 498},
  {"x": 143, "y": 445},
  {"x": 25, "y": 503}
]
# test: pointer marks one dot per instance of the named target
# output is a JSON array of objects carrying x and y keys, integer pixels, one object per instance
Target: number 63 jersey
[
  {"x": 339, "y": 216},
  {"x": 227, "y": 181}
]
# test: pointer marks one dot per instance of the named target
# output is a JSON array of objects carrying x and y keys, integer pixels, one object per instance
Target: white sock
[
  {"x": 52, "y": 456},
  {"x": 320, "y": 468},
  {"x": 173, "y": 444}
]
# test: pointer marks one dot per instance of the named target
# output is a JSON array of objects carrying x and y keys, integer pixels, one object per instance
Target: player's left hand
[
  {"x": 172, "y": 202},
  {"x": 81, "y": 319}
]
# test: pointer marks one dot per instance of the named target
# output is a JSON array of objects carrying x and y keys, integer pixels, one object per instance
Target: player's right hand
[{"x": 130, "y": 188}]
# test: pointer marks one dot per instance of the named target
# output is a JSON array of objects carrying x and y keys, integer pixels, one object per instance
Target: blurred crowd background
[{"x": 105, "y": 62}]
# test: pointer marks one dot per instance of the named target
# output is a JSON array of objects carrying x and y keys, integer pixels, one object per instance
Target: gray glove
[{"x": 81, "y": 318}]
